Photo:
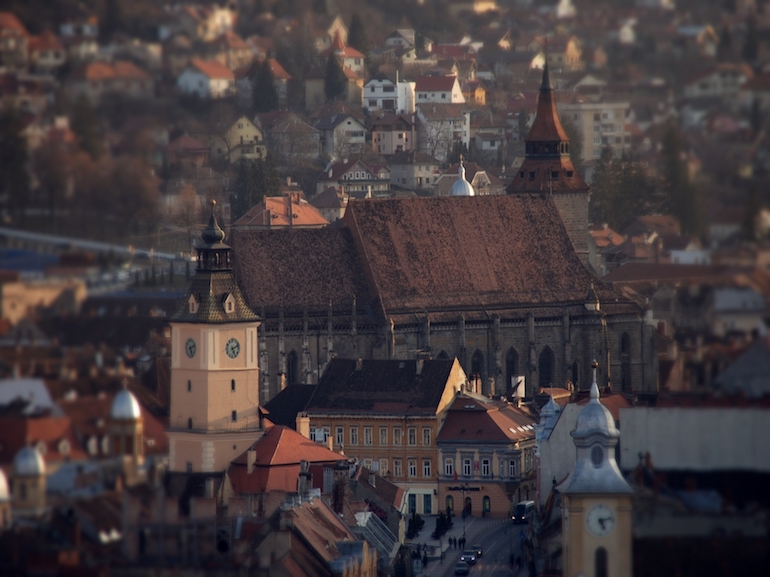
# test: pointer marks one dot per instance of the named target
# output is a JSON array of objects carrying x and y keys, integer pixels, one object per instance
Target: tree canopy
[
  {"x": 264, "y": 97},
  {"x": 335, "y": 81}
]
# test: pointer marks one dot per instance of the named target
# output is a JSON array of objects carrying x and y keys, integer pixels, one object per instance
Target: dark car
[
  {"x": 462, "y": 568},
  {"x": 478, "y": 549},
  {"x": 469, "y": 557}
]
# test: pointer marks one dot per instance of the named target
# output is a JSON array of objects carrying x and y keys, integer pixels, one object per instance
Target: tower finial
[
  {"x": 594, "y": 387},
  {"x": 546, "y": 84},
  {"x": 213, "y": 204}
]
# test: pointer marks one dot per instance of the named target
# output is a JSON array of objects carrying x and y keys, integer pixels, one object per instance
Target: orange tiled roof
[
  {"x": 118, "y": 70},
  {"x": 339, "y": 46},
  {"x": 212, "y": 68},
  {"x": 9, "y": 21},
  {"x": 435, "y": 83},
  {"x": 279, "y": 211},
  {"x": 45, "y": 41}
]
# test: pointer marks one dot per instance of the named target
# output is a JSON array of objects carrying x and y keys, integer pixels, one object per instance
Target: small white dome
[
  {"x": 125, "y": 406},
  {"x": 4, "y": 495},
  {"x": 462, "y": 187},
  {"x": 28, "y": 463}
]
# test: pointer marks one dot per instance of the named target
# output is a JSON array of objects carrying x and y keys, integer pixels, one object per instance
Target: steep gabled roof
[
  {"x": 435, "y": 83},
  {"x": 9, "y": 21},
  {"x": 283, "y": 408},
  {"x": 283, "y": 446},
  {"x": 339, "y": 47},
  {"x": 476, "y": 419}
]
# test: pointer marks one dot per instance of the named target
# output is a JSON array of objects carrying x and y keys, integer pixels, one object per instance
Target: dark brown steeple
[
  {"x": 548, "y": 169},
  {"x": 547, "y": 166}
]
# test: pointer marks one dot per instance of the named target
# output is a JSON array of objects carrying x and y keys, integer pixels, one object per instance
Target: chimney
[
  {"x": 303, "y": 425},
  {"x": 304, "y": 481},
  {"x": 330, "y": 443},
  {"x": 251, "y": 460}
]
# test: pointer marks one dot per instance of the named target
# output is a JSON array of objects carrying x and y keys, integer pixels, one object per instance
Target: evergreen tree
[
  {"x": 245, "y": 193},
  {"x": 14, "y": 178},
  {"x": 751, "y": 45},
  {"x": 335, "y": 81},
  {"x": 357, "y": 37},
  {"x": 264, "y": 96},
  {"x": 603, "y": 188},
  {"x": 86, "y": 127},
  {"x": 112, "y": 21},
  {"x": 680, "y": 195}
]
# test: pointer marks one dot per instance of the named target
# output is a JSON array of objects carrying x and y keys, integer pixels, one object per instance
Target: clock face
[
  {"x": 190, "y": 348},
  {"x": 232, "y": 348},
  {"x": 600, "y": 520}
]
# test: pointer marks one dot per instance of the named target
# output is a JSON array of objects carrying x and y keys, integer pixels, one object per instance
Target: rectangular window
[
  {"x": 412, "y": 432},
  {"x": 383, "y": 436},
  {"x": 339, "y": 435},
  {"x": 368, "y": 436},
  {"x": 368, "y": 464},
  {"x": 412, "y": 468},
  {"x": 426, "y": 468},
  {"x": 502, "y": 468},
  {"x": 397, "y": 467},
  {"x": 383, "y": 466},
  {"x": 597, "y": 118},
  {"x": 232, "y": 385},
  {"x": 513, "y": 468},
  {"x": 427, "y": 505},
  {"x": 597, "y": 140},
  {"x": 449, "y": 467},
  {"x": 597, "y": 128},
  {"x": 467, "y": 467},
  {"x": 486, "y": 468},
  {"x": 397, "y": 436},
  {"x": 353, "y": 435},
  {"x": 426, "y": 436},
  {"x": 412, "y": 503},
  {"x": 234, "y": 416}
]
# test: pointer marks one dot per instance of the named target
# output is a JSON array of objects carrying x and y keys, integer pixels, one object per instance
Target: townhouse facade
[
  {"x": 600, "y": 124},
  {"x": 387, "y": 414},
  {"x": 394, "y": 133},
  {"x": 439, "y": 90},
  {"x": 382, "y": 93}
]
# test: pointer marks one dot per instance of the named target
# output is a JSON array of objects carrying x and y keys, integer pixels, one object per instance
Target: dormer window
[
  {"x": 229, "y": 304},
  {"x": 554, "y": 175},
  {"x": 532, "y": 175},
  {"x": 193, "y": 304},
  {"x": 64, "y": 447},
  {"x": 569, "y": 174}
]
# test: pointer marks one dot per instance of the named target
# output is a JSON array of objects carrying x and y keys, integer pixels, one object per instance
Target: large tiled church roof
[{"x": 412, "y": 256}]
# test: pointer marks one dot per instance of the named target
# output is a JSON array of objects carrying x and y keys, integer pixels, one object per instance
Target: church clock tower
[
  {"x": 596, "y": 499},
  {"x": 215, "y": 412},
  {"x": 547, "y": 169}
]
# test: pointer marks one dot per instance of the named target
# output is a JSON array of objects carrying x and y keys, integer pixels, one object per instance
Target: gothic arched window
[
  {"x": 511, "y": 368},
  {"x": 292, "y": 371},
  {"x": 625, "y": 362},
  {"x": 545, "y": 368},
  {"x": 477, "y": 363}
]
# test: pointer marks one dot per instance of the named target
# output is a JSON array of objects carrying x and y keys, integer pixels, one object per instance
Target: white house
[
  {"x": 440, "y": 125},
  {"x": 207, "y": 79},
  {"x": 723, "y": 80},
  {"x": 381, "y": 93},
  {"x": 438, "y": 89},
  {"x": 342, "y": 135}
]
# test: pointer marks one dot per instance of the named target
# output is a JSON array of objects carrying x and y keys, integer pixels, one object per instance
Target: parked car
[
  {"x": 523, "y": 511},
  {"x": 462, "y": 568},
  {"x": 478, "y": 549},
  {"x": 469, "y": 557}
]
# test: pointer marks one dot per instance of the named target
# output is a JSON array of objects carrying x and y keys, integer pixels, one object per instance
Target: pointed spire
[
  {"x": 546, "y": 83},
  {"x": 594, "y": 387}
]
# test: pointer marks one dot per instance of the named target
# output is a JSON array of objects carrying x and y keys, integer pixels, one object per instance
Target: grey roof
[
  {"x": 384, "y": 386},
  {"x": 283, "y": 407},
  {"x": 211, "y": 289},
  {"x": 412, "y": 157},
  {"x": 750, "y": 373}
]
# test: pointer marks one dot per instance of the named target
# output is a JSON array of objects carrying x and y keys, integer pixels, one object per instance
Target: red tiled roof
[
  {"x": 338, "y": 46},
  {"x": 45, "y": 41},
  {"x": 435, "y": 83},
  {"x": 279, "y": 211},
  {"x": 547, "y": 126},
  {"x": 23, "y": 432},
  {"x": 118, "y": 70},
  {"x": 212, "y": 68},
  {"x": 481, "y": 420},
  {"x": 9, "y": 21},
  {"x": 231, "y": 41},
  {"x": 279, "y": 72},
  {"x": 186, "y": 142}
]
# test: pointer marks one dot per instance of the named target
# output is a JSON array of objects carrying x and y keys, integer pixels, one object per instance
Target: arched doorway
[
  {"x": 545, "y": 368},
  {"x": 486, "y": 505},
  {"x": 450, "y": 505},
  {"x": 468, "y": 507},
  {"x": 600, "y": 562}
]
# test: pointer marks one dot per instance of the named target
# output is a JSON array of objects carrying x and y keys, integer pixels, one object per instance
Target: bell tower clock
[
  {"x": 596, "y": 499},
  {"x": 215, "y": 412}
]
